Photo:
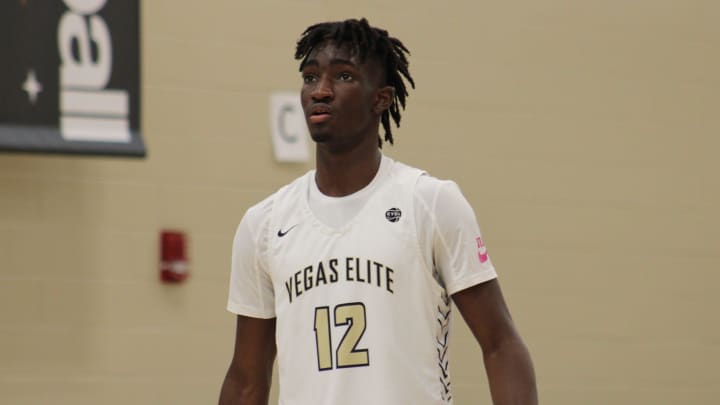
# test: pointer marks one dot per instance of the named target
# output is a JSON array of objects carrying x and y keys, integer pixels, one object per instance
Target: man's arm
[
  {"x": 250, "y": 374},
  {"x": 507, "y": 360}
]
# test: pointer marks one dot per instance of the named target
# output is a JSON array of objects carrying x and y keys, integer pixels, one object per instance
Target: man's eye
[
  {"x": 345, "y": 76},
  {"x": 309, "y": 78}
]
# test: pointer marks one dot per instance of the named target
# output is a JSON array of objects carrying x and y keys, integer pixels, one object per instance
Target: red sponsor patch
[{"x": 482, "y": 250}]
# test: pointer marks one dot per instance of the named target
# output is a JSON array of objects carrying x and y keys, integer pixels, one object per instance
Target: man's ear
[{"x": 384, "y": 99}]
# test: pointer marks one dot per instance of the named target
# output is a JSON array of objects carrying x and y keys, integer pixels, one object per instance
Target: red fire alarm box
[{"x": 173, "y": 257}]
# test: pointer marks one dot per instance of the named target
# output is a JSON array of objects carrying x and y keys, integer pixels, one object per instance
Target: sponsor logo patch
[
  {"x": 393, "y": 214},
  {"x": 482, "y": 250}
]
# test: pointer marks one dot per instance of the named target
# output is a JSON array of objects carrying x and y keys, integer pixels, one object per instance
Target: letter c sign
[
  {"x": 289, "y": 131},
  {"x": 282, "y": 127}
]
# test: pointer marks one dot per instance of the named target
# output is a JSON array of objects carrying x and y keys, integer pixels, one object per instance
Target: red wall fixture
[{"x": 173, "y": 257}]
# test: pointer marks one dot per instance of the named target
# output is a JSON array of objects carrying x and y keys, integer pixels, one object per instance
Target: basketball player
[{"x": 348, "y": 272}]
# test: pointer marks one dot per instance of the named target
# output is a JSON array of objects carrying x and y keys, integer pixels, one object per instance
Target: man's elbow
[{"x": 511, "y": 345}]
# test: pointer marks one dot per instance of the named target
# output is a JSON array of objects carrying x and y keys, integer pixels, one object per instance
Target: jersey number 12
[{"x": 347, "y": 353}]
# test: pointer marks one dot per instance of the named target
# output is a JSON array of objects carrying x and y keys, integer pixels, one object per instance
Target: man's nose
[{"x": 323, "y": 90}]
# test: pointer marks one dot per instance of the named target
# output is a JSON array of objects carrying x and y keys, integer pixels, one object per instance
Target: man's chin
[{"x": 320, "y": 137}]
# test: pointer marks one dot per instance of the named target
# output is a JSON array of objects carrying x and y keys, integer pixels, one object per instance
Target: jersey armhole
[{"x": 418, "y": 200}]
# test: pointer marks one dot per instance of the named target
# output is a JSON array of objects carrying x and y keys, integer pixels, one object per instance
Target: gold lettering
[
  {"x": 334, "y": 275},
  {"x": 348, "y": 269},
  {"x": 358, "y": 275},
  {"x": 378, "y": 267},
  {"x": 320, "y": 275},
  {"x": 288, "y": 286},
  {"x": 307, "y": 281},
  {"x": 388, "y": 279},
  {"x": 297, "y": 284}
]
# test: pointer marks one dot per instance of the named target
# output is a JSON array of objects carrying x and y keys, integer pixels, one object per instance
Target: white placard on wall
[{"x": 289, "y": 130}]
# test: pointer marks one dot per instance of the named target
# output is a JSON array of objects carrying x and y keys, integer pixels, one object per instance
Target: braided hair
[{"x": 365, "y": 41}]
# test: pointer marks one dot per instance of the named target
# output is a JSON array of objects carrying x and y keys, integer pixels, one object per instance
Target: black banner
[{"x": 70, "y": 77}]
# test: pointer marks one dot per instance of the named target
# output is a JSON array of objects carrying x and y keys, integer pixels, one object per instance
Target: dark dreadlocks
[{"x": 365, "y": 40}]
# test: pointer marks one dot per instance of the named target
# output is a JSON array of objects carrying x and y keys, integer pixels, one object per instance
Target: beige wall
[{"x": 585, "y": 135}]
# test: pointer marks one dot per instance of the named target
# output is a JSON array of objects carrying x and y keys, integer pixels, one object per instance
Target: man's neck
[{"x": 341, "y": 174}]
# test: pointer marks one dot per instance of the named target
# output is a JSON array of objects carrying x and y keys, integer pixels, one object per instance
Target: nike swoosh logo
[{"x": 281, "y": 233}]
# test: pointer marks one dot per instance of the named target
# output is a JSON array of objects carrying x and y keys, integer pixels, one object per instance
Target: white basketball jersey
[{"x": 361, "y": 318}]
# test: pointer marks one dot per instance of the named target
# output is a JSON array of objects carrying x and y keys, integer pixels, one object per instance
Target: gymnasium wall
[{"x": 584, "y": 134}]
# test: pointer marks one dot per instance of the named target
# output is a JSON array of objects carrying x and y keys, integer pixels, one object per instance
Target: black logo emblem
[
  {"x": 393, "y": 214},
  {"x": 281, "y": 233}
]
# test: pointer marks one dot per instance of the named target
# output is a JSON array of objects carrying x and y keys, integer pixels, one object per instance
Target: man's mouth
[
  {"x": 319, "y": 118},
  {"x": 319, "y": 113}
]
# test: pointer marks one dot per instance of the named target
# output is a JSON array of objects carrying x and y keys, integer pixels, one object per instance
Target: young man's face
[{"x": 342, "y": 98}]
